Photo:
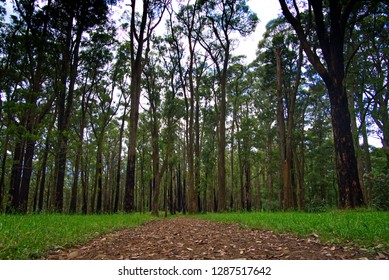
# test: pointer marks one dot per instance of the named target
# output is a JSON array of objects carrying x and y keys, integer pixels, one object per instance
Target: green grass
[
  {"x": 364, "y": 228},
  {"x": 31, "y": 236}
]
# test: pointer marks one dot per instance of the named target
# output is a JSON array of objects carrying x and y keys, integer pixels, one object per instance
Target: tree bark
[
  {"x": 350, "y": 192},
  {"x": 74, "y": 193},
  {"x": 16, "y": 173},
  {"x": 43, "y": 175},
  {"x": 65, "y": 107},
  {"x": 285, "y": 162},
  {"x": 3, "y": 169},
  {"x": 26, "y": 176},
  {"x": 137, "y": 65}
]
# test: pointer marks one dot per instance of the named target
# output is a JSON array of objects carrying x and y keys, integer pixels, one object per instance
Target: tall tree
[
  {"x": 189, "y": 22},
  {"x": 330, "y": 23},
  {"x": 141, "y": 31},
  {"x": 73, "y": 19},
  {"x": 32, "y": 32},
  {"x": 223, "y": 18}
]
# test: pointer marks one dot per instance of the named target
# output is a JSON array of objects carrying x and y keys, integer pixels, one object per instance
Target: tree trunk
[
  {"x": 65, "y": 107},
  {"x": 366, "y": 151},
  {"x": 119, "y": 162},
  {"x": 129, "y": 202},
  {"x": 74, "y": 192},
  {"x": 350, "y": 192},
  {"x": 285, "y": 163},
  {"x": 247, "y": 172},
  {"x": 43, "y": 177},
  {"x": 3, "y": 168},
  {"x": 15, "y": 177},
  {"x": 222, "y": 198},
  {"x": 99, "y": 175},
  {"x": 26, "y": 176}
]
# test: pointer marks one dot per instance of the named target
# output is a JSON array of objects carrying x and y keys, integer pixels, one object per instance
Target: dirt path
[{"x": 187, "y": 238}]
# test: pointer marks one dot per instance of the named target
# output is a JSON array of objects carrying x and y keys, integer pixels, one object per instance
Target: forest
[{"x": 143, "y": 106}]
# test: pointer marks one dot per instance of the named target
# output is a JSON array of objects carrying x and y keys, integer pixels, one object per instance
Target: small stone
[{"x": 74, "y": 255}]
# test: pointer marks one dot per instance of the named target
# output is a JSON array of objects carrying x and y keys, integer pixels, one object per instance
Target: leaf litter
[{"x": 190, "y": 238}]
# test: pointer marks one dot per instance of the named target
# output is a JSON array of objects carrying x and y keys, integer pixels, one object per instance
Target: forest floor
[{"x": 197, "y": 239}]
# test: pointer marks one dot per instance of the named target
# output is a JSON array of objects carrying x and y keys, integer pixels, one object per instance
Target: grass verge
[
  {"x": 368, "y": 229},
  {"x": 31, "y": 236}
]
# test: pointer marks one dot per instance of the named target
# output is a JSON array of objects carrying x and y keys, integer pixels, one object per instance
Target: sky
[{"x": 266, "y": 10}]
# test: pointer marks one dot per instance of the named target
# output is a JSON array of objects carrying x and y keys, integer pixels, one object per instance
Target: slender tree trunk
[
  {"x": 366, "y": 151},
  {"x": 247, "y": 173},
  {"x": 36, "y": 192},
  {"x": 179, "y": 190},
  {"x": 287, "y": 195},
  {"x": 197, "y": 149},
  {"x": 26, "y": 176},
  {"x": 119, "y": 163},
  {"x": 84, "y": 186},
  {"x": 269, "y": 173},
  {"x": 99, "y": 177},
  {"x": 43, "y": 177},
  {"x": 155, "y": 160},
  {"x": 192, "y": 202},
  {"x": 74, "y": 194},
  {"x": 65, "y": 107},
  {"x": 138, "y": 59},
  {"x": 16, "y": 173},
  {"x": 3, "y": 169},
  {"x": 222, "y": 199},
  {"x": 241, "y": 173}
]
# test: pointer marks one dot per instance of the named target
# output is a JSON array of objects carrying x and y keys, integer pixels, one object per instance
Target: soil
[{"x": 196, "y": 239}]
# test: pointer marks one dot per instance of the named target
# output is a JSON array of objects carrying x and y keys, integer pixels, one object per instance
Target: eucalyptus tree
[
  {"x": 279, "y": 53},
  {"x": 142, "y": 27},
  {"x": 237, "y": 73},
  {"x": 26, "y": 72},
  {"x": 223, "y": 18},
  {"x": 262, "y": 78},
  {"x": 71, "y": 19},
  {"x": 368, "y": 87},
  {"x": 319, "y": 161},
  {"x": 188, "y": 22},
  {"x": 121, "y": 74},
  {"x": 329, "y": 21},
  {"x": 154, "y": 82},
  {"x": 243, "y": 131},
  {"x": 375, "y": 57},
  {"x": 95, "y": 58}
]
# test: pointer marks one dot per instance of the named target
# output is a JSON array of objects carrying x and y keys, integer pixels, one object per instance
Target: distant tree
[{"x": 222, "y": 19}]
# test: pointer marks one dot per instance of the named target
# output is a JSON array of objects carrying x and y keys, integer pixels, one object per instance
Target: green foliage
[
  {"x": 32, "y": 236},
  {"x": 380, "y": 192},
  {"x": 316, "y": 205}
]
